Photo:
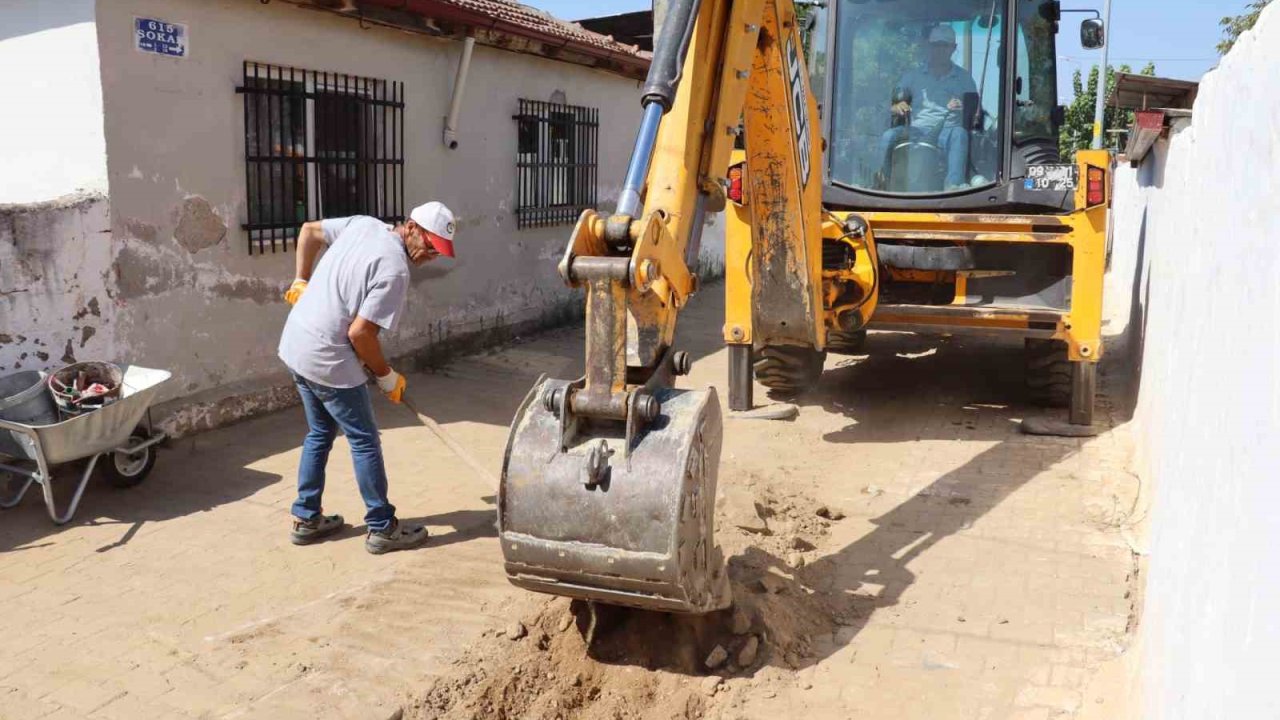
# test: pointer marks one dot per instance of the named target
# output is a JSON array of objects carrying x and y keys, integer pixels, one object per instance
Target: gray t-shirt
[
  {"x": 365, "y": 273},
  {"x": 931, "y": 95}
]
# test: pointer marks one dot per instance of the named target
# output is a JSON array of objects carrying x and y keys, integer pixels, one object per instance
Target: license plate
[{"x": 1053, "y": 178}]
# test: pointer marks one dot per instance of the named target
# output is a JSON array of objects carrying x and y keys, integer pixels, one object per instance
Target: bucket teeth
[{"x": 585, "y": 520}]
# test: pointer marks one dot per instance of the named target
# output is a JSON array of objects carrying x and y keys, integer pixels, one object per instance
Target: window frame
[
  {"x": 556, "y": 179},
  {"x": 377, "y": 166},
  {"x": 836, "y": 71},
  {"x": 1033, "y": 120}
]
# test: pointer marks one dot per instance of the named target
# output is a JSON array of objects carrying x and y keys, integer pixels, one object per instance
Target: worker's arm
[
  {"x": 364, "y": 338},
  {"x": 902, "y": 95},
  {"x": 311, "y": 241}
]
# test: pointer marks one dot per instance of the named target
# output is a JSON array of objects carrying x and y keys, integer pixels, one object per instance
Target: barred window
[
  {"x": 556, "y": 158},
  {"x": 318, "y": 144}
]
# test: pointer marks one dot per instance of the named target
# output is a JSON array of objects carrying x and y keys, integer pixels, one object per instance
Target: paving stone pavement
[{"x": 992, "y": 566}]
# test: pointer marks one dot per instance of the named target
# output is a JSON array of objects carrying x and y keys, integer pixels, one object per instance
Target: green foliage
[
  {"x": 882, "y": 58},
  {"x": 805, "y": 11},
  {"x": 1236, "y": 25},
  {"x": 1077, "y": 129}
]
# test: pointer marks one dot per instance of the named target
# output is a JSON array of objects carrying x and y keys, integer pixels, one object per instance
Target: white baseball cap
[
  {"x": 943, "y": 34},
  {"x": 438, "y": 221}
]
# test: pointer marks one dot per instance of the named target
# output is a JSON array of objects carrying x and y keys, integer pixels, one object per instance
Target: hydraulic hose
[{"x": 670, "y": 48}]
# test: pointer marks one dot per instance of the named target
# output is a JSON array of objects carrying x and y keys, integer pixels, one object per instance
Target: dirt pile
[{"x": 655, "y": 665}]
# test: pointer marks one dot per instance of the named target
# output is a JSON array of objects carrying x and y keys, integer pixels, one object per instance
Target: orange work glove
[
  {"x": 295, "y": 291},
  {"x": 392, "y": 385}
]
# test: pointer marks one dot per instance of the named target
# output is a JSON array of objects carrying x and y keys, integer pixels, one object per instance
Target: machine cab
[{"x": 937, "y": 104}]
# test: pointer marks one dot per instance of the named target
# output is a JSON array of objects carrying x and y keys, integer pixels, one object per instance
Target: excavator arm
[{"x": 608, "y": 484}]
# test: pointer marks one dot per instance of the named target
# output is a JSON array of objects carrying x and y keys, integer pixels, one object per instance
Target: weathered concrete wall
[
  {"x": 51, "y": 140},
  {"x": 172, "y": 263},
  {"x": 1195, "y": 261},
  {"x": 56, "y": 294}
]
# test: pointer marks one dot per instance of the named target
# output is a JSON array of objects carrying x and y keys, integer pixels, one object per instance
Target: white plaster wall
[
  {"x": 711, "y": 255},
  {"x": 55, "y": 292},
  {"x": 51, "y": 138},
  {"x": 1198, "y": 228},
  {"x": 174, "y": 130}
]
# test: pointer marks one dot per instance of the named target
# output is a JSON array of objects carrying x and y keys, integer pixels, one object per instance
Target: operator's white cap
[
  {"x": 438, "y": 221},
  {"x": 944, "y": 34}
]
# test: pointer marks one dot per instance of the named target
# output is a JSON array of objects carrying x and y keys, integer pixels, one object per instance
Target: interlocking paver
[{"x": 85, "y": 695}]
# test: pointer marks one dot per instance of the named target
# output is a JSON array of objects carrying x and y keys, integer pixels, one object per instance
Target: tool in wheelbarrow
[
  {"x": 85, "y": 386},
  {"x": 112, "y": 437}
]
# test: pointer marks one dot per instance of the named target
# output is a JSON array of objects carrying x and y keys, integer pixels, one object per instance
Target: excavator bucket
[
  {"x": 609, "y": 482},
  {"x": 606, "y": 515}
]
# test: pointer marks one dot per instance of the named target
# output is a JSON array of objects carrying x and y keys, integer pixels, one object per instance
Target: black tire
[
  {"x": 9, "y": 484},
  {"x": 789, "y": 370},
  {"x": 1048, "y": 373},
  {"x": 847, "y": 343},
  {"x": 126, "y": 471}
]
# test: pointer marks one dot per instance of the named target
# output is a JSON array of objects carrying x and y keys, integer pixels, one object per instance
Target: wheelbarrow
[{"x": 115, "y": 432}]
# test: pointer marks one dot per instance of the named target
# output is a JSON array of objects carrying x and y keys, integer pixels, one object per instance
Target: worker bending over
[{"x": 340, "y": 305}]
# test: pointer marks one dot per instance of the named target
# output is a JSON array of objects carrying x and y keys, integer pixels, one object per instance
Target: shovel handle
[{"x": 452, "y": 444}]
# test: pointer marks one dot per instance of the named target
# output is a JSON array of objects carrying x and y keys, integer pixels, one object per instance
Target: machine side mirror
[
  {"x": 1093, "y": 34},
  {"x": 1058, "y": 115}
]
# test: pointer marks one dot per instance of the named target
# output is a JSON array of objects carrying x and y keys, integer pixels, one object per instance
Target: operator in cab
[{"x": 932, "y": 97}]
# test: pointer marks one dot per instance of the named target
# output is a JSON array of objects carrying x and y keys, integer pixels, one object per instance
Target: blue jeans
[
  {"x": 350, "y": 409},
  {"x": 953, "y": 141}
]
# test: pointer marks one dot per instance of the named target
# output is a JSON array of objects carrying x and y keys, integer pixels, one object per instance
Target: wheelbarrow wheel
[
  {"x": 123, "y": 470},
  {"x": 10, "y": 484}
]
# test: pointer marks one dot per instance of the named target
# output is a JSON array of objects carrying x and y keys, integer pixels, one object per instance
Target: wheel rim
[{"x": 130, "y": 465}]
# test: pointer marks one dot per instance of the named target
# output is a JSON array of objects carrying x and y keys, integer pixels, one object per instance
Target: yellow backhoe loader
[{"x": 883, "y": 164}]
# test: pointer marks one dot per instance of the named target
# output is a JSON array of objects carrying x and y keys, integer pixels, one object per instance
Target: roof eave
[{"x": 488, "y": 30}]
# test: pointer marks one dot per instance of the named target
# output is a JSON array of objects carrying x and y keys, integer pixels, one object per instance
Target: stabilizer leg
[
  {"x": 741, "y": 383},
  {"x": 1084, "y": 385}
]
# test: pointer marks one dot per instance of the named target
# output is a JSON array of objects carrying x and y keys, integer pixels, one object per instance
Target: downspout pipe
[{"x": 459, "y": 85}]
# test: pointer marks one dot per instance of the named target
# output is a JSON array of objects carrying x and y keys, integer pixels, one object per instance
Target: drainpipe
[{"x": 459, "y": 84}]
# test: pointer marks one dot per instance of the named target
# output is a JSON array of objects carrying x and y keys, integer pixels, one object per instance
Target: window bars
[
  {"x": 556, "y": 163},
  {"x": 316, "y": 145}
]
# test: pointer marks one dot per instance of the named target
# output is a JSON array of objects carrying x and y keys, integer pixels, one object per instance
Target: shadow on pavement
[
  {"x": 910, "y": 388},
  {"x": 968, "y": 389},
  {"x": 191, "y": 475},
  {"x": 466, "y": 524}
]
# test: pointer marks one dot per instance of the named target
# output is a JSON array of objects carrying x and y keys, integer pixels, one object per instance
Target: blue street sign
[{"x": 160, "y": 37}]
